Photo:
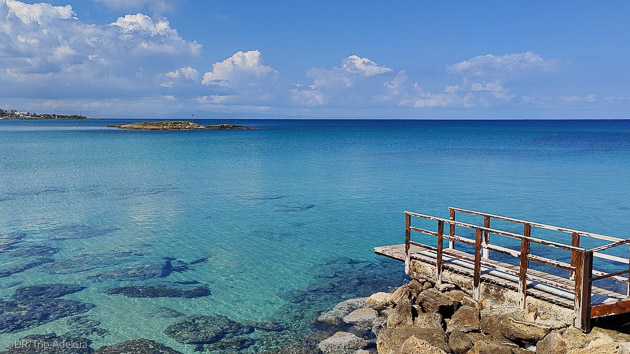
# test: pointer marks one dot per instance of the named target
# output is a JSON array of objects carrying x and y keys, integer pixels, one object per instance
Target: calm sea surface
[{"x": 280, "y": 222}]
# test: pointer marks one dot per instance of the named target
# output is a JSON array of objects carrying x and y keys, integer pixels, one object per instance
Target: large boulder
[
  {"x": 459, "y": 342},
  {"x": 428, "y": 320},
  {"x": 553, "y": 343},
  {"x": 401, "y": 315},
  {"x": 414, "y": 345},
  {"x": 486, "y": 344},
  {"x": 597, "y": 341},
  {"x": 380, "y": 300},
  {"x": 341, "y": 310},
  {"x": 432, "y": 300},
  {"x": 513, "y": 326},
  {"x": 390, "y": 340},
  {"x": 342, "y": 343},
  {"x": 465, "y": 319},
  {"x": 363, "y": 317}
]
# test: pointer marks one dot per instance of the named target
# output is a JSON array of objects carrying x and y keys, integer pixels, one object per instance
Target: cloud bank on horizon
[{"x": 140, "y": 65}]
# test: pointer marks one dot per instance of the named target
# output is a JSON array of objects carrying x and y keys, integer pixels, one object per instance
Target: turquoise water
[{"x": 269, "y": 214}]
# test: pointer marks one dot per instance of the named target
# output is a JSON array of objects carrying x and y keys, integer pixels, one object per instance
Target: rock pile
[{"x": 422, "y": 318}]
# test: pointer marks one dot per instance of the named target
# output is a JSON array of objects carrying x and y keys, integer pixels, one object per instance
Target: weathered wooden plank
[
  {"x": 575, "y": 241},
  {"x": 583, "y": 268},
  {"x": 486, "y": 236},
  {"x": 610, "y": 309},
  {"x": 407, "y": 239},
  {"x": 522, "y": 284},
  {"x": 440, "y": 245},
  {"x": 451, "y": 231},
  {"x": 477, "y": 272},
  {"x": 610, "y": 275}
]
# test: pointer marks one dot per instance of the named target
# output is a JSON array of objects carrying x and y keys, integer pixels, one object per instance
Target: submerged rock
[
  {"x": 85, "y": 262},
  {"x": 160, "y": 291},
  {"x": 76, "y": 232},
  {"x": 206, "y": 329},
  {"x": 341, "y": 310},
  {"x": 83, "y": 326},
  {"x": 22, "y": 267},
  {"x": 18, "y": 315},
  {"x": 33, "y": 251},
  {"x": 230, "y": 345},
  {"x": 46, "y": 291},
  {"x": 137, "y": 272},
  {"x": 10, "y": 240},
  {"x": 342, "y": 343},
  {"x": 165, "y": 312},
  {"x": 137, "y": 346},
  {"x": 49, "y": 344}
]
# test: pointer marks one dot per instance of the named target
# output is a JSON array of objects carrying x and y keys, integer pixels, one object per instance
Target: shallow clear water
[{"x": 274, "y": 209}]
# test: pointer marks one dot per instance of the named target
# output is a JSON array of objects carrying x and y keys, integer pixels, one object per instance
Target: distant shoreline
[{"x": 35, "y": 116}]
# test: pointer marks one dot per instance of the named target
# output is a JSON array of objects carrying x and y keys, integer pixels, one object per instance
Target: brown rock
[
  {"x": 444, "y": 287},
  {"x": 553, "y": 343},
  {"x": 432, "y": 300},
  {"x": 465, "y": 319},
  {"x": 428, "y": 320},
  {"x": 513, "y": 326},
  {"x": 363, "y": 317},
  {"x": 403, "y": 292},
  {"x": 597, "y": 341},
  {"x": 483, "y": 343},
  {"x": 380, "y": 300},
  {"x": 342, "y": 343},
  {"x": 414, "y": 345},
  {"x": 390, "y": 340},
  {"x": 401, "y": 315},
  {"x": 459, "y": 342}
]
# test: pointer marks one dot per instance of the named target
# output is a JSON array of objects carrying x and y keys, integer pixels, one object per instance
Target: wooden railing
[{"x": 580, "y": 269}]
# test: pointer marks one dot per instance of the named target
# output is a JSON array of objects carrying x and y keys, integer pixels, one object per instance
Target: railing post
[
  {"x": 583, "y": 273},
  {"x": 628, "y": 284},
  {"x": 451, "y": 231},
  {"x": 575, "y": 242},
  {"x": 486, "y": 236},
  {"x": 407, "y": 239},
  {"x": 440, "y": 245},
  {"x": 522, "y": 283},
  {"x": 477, "y": 273}
]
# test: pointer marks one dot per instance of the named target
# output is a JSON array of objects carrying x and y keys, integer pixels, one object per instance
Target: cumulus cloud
[
  {"x": 242, "y": 77},
  {"x": 503, "y": 67},
  {"x": 354, "y": 80},
  {"x": 179, "y": 75},
  {"x": 49, "y": 53}
]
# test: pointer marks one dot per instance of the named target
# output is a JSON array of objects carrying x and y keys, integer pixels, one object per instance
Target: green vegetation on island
[{"x": 176, "y": 125}]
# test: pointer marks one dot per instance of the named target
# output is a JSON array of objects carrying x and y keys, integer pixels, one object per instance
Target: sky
[{"x": 316, "y": 59}]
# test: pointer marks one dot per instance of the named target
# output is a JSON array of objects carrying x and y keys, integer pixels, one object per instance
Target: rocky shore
[
  {"x": 420, "y": 317},
  {"x": 176, "y": 125}
]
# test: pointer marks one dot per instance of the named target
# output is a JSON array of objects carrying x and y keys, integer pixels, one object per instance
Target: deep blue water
[{"x": 286, "y": 215}]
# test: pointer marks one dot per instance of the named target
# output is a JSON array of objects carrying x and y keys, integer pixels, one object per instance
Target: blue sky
[{"x": 316, "y": 59}]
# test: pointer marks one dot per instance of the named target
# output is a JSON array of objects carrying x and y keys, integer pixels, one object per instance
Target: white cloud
[
  {"x": 40, "y": 13},
  {"x": 503, "y": 67},
  {"x": 341, "y": 83},
  {"x": 181, "y": 74},
  {"x": 243, "y": 77},
  {"x": 49, "y": 53}
]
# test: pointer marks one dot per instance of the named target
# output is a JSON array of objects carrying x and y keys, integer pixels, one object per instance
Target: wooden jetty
[{"x": 566, "y": 284}]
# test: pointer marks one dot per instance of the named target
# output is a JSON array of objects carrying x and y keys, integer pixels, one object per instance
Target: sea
[{"x": 273, "y": 225}]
